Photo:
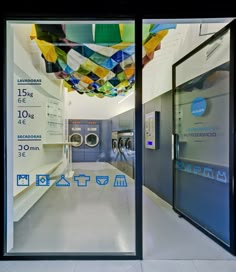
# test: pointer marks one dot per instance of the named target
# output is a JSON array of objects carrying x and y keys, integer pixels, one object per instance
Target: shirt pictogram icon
[{"x": 82, "y": 180}]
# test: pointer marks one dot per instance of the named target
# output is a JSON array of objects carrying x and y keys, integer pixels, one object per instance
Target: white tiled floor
[
  {"x": 81, "y": 219},
  {"x": 170, "y": 243},
  {"x": 119, "y": 266},
  {"x": 169, "y": 237},
  {"x": 168, "y": 266}
]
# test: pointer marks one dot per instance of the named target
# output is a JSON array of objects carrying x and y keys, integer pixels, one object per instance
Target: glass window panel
[
  {"x": 70, "y": 187},
  {"x": 202, "y": 137}
]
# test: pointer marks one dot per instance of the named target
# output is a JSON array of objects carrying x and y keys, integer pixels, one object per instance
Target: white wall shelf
[
  {"x": 59, "y": 143},
  {"x": 26, "y": 198},
  {"x": 46, "y": 169}
]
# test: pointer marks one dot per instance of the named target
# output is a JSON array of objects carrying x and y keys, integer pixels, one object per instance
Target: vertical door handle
[{"x": 175, "y": 146}]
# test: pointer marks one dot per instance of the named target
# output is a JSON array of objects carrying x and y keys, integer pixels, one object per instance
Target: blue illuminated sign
[{"x": 198, "y": 106}]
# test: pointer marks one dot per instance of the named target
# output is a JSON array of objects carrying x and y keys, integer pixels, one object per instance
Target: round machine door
[
  {"x": 121, "y": 145},
  {"x": 91, "y": 140},
  {"x": 114, "y": 145},
  {"x": 129, "y": 145},
  {"x": 76, "y": 139}
]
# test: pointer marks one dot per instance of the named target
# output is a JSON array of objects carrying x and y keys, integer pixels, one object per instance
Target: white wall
[
  {"x": 24, "y": 69},
  {"x": 209, "y": 57},
  {"x": 85, "y": 107},
  {"x": 21, "y": 65},
  {"x": 157, "y": 74}
]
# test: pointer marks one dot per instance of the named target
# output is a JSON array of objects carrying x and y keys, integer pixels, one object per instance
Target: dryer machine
[
  {"x": 126, "y": 156},
  {"x": 92, "y": 141},
  {"x": 114, "y": 145},
  {"x": 76, "y": 136},
  {"x": 114, "y": 151}
]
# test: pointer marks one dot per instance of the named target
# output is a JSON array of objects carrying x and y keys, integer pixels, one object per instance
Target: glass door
[
  {"x": 65, "y": 198},
  {"x": 202, "y": 140}
]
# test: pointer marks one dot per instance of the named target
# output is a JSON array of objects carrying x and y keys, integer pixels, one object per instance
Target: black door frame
[
  {"x": 138, "y": 18},
  {"x": 232, "y": 167}
]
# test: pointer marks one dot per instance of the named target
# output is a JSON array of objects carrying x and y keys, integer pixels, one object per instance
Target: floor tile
[
  {"x": 166, "y": 236},
  {"x": 37, "y": 266},
  {"x": 4, "y": 267},
  {"x": 168, "y": 266},
  {"x": 108, "y": 266},
  {"x": 215, "y": 266}
]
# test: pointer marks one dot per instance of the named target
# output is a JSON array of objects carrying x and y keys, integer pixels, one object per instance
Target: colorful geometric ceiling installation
[
  {"x": 152, "y": 36},
  {"x": 96, "y": 59}
]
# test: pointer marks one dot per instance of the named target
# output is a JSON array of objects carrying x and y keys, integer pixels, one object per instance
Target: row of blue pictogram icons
[
  {"x": 209, "y": 172},
  {"x": 81, "y": 180}
]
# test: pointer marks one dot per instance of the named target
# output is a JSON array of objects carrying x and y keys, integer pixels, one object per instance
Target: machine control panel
[{"x": 152, "y": 130}]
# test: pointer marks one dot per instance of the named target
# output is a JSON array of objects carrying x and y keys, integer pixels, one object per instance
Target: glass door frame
[
  {"x": 232, "y": 112},
  {"x": 138, "y": 254}
]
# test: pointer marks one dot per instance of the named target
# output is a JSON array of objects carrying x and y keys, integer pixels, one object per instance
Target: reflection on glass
[
  {"x": 202, "y": 129},
  {"x": 67, "y": 82},
  {"x": 76, "y": 139},
  {"x": 92, "y": 139}
]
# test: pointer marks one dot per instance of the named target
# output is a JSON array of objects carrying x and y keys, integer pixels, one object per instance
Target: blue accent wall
[
  {"x": 99, "y": 153},
  {"x": 123, "y": 121},
  {"x": 157, "y": 164}
]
